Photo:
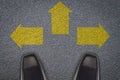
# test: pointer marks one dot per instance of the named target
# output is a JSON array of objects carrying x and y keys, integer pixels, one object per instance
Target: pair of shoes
[{"x": 88, "y": 69}]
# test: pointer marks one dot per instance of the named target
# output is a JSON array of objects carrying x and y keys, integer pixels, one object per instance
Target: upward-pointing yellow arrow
[
  {"x": 28, "y": 35},
  {"x": 92, "y": 35},
  {"x": 60, "y": 19}
]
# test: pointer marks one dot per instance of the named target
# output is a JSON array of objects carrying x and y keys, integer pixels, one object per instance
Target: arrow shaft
[
  {"x": 87, "y": 35},
  {"x": 60, "y": 24},
  {"x": 31, "y": 35}
]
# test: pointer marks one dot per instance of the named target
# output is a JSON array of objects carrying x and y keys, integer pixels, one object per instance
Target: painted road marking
[
  {"x": 60, "y": 19},
  {"x": 27, "y": 36},
  {"x": 92, "y": 35},
  {"x": 60, "y": 25}
]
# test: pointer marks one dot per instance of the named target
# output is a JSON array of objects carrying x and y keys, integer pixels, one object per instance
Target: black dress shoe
[
  {"x": 88, "y": 68},
  {"x": 31, "y": 69}
]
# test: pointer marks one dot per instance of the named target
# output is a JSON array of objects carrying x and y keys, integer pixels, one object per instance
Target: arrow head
[
  {"x": 103, "y": 36},
  {"x": 59, "y": 7},
  {"x": 16, "y": 35}
]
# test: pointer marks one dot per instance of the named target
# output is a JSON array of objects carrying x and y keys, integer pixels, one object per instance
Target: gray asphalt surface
[{"x": 59, "y": 55}]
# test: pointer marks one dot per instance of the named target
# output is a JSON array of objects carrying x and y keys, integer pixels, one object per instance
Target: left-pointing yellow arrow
[{"x": 27, "y": 36}]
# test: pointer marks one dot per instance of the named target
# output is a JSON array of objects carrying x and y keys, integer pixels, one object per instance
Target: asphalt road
[{"x": 59, "y": 54}]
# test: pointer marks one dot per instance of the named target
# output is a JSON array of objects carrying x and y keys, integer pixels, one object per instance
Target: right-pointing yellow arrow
[
  {"x": 60, "y": 19},
  {"x": 92, "y": 35}
]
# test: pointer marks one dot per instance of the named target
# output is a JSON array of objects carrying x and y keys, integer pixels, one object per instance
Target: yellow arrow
[
  {"x": 27, "y": 36},
  {"x": 92, "y": 35},
  {"x": 60, "y": 19}
]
